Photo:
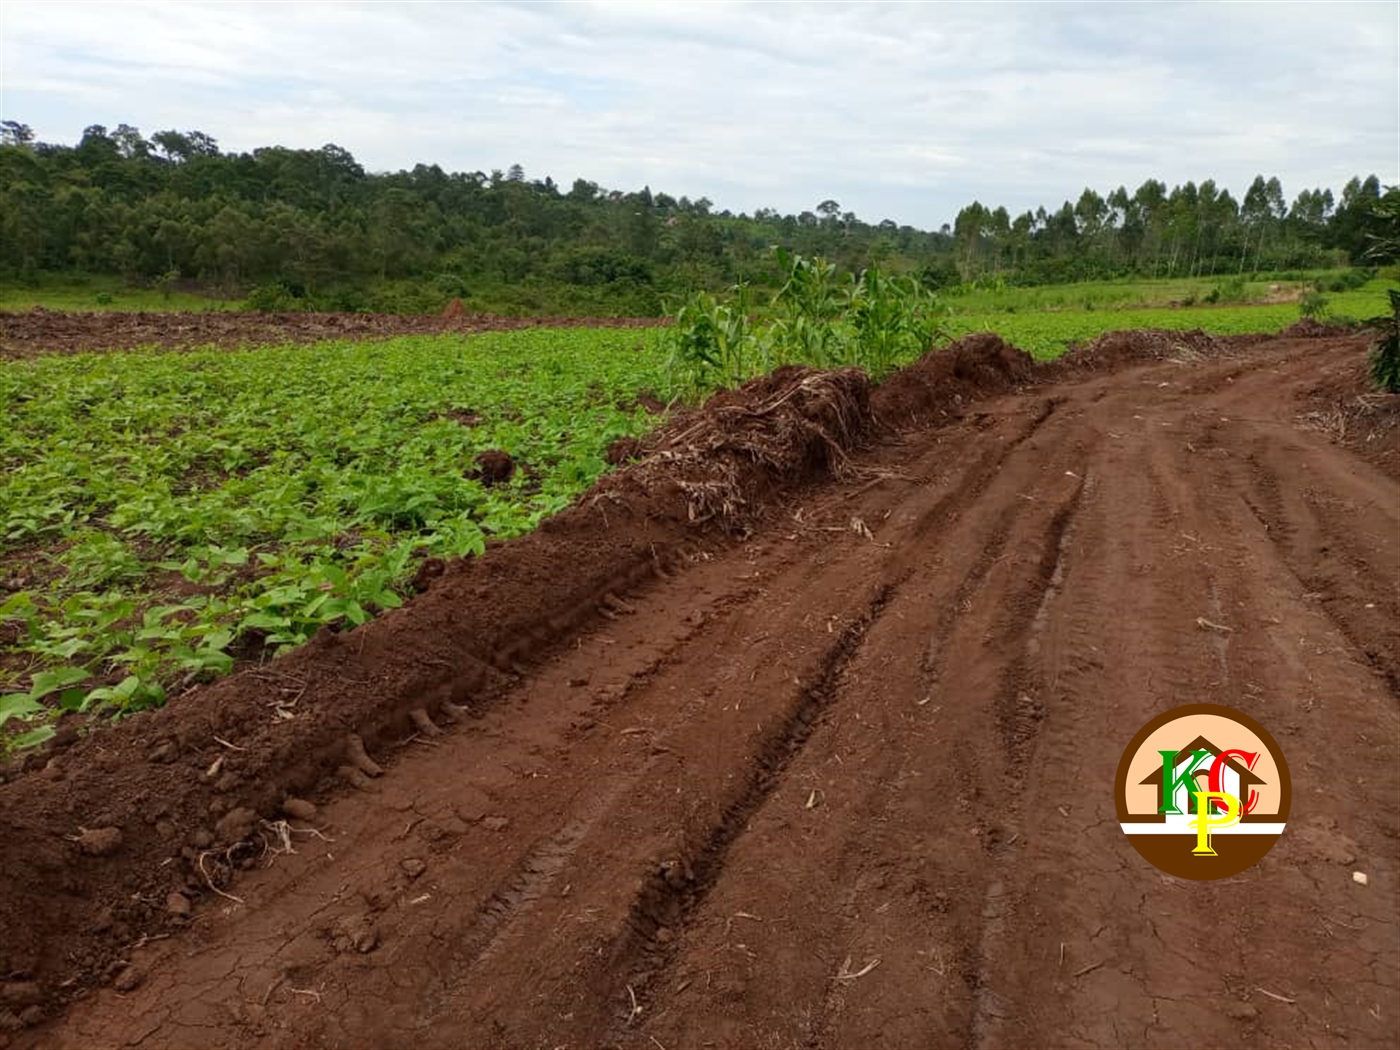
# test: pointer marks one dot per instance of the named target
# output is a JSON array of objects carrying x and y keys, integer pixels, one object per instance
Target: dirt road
[{"x": 848, "y": 782}]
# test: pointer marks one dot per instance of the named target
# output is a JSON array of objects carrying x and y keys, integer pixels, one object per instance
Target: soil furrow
[{"x": 839, "y": 776}]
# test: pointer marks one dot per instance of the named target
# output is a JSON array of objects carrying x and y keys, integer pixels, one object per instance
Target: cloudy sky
[{"x": 902, "y": 111}]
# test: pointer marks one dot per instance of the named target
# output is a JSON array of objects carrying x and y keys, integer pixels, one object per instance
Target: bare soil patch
[{"x": 39, "y": 331}]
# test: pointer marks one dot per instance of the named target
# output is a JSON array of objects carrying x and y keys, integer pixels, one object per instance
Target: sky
[{"x": 901, "y": 111}]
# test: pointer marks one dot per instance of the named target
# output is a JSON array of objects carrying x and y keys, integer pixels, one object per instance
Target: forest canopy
[{"x": 313, "y": 226}]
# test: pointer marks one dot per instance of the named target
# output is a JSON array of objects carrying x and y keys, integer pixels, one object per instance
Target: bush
[
  {"x": 1313, "y": 304},
  {"x": 1349, "y": 280},
  {"x": 271, "y": 298},
  {"x": 1230, "y": 290},
  {"x": 1385, "y": 351}
]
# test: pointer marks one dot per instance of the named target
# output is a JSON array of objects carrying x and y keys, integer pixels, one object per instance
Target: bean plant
[{"x": 164, "y": 515}]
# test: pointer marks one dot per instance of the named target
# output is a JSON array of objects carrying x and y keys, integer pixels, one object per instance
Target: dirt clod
[
  {"x": 413, "y": 867},
  {"x": 178, "y": 905},
  {"x": 355, "y": 933},
  {"x": 299, "y": 809},
  {"x": 99, "y": 842},
  {"x": 495, "y": 823},
  {"x": 235, "y": 825},
  {"x": 427, "y": 573},
  {"x": 128, "y": 979},
  {"x": 19, "y": 994},
  {"x": 166, "y": 751},
  {"x": 494, "y": 466}
]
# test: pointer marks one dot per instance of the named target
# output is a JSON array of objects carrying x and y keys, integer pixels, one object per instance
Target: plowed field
[{"x": 801, "y": 732}]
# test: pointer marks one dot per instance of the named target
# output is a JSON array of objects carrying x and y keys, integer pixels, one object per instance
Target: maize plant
[
  {"x": 892, "y": 319},
  {"x": 869, "y": 320},
  {"x": 1385, "y": 351},
  {"x": 713, "y": 345}
]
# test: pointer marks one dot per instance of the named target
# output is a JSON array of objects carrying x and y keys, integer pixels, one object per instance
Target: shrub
[
  {"x": 1385, "y": 351},
  {"x": 271, "y": 298},
  {"x": 1313, "y": 304}
]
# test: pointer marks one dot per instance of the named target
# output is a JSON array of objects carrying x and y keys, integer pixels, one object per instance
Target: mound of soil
[
  {"x": 1309, "y": 328},
  {"x": 940, "y": 382},
  {"x": 794, "y": 424},
  {"x": 183, "y": 797},
  {"x": 1117, "y": 349},
  {"x": 494, "y": 467},
  {"x": 39, "y": 331},
  {"x": 1343, "y": 404}
]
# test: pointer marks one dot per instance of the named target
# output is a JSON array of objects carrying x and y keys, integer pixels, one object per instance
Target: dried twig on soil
[
  {"x": 636, "y": 1006},
  {"x": 1275, "y": 995},
  {"x": 845, "y": 974},
  {"x": 1207, "y": 625},
  {"x": 282, "y": 831},
  {"x": 209, "y": 881},
  {"x": 1087, "y": 969}
]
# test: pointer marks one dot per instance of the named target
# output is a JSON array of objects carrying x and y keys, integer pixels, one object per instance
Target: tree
[
  {"x": 13, "y": 133},
  {"x": 129, "y": 142},
  {"x": 316, "y": 222}
]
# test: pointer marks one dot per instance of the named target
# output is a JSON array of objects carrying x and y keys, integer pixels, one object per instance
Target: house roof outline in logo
[{"x": 1247, "y": 777}]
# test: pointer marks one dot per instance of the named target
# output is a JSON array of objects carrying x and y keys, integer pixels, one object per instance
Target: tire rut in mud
[
  {"x": 997, "y": 581},
  {"x": 681, "y": 886}
]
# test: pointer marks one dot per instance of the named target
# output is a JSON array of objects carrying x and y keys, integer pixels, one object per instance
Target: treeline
[
  {"x": 311, "y": 227},
  {"x": 1188, "y": 231}
]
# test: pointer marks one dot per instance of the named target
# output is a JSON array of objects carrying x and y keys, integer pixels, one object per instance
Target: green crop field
[
  {"x": 160, "y": 513},
  {"x": 165, "y": 514},
  {"x": 1047, "y": 333}
]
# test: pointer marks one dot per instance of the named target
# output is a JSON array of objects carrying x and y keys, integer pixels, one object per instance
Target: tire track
[
  {"x": 675, "y": 891},
  {"x": 863, "y": 798}
]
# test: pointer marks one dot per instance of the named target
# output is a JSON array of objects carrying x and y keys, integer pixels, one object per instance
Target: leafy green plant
[
  {"x": 869, "y": 320},
  {"x": 1230, "y": 290},
  {"x": 1385, "y": 350},
  {"x": 1313, "y": 304},
  {"x": 182, "y": 510},
  {"x": 713, "y": 344}
]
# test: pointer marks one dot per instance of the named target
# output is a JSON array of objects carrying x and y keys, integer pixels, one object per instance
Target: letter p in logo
[{"x": 1206, "y": 820}]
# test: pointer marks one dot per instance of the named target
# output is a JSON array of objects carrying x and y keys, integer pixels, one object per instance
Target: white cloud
[{"x": 896, "y": 110}]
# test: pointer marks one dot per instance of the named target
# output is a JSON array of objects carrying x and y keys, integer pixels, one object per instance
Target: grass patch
[
  {"x": 104, "y": 294},
  {"x": 1048, "y": 333}
]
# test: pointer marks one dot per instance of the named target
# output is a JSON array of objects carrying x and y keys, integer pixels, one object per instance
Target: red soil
[{"x": 801, "y": 729}]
